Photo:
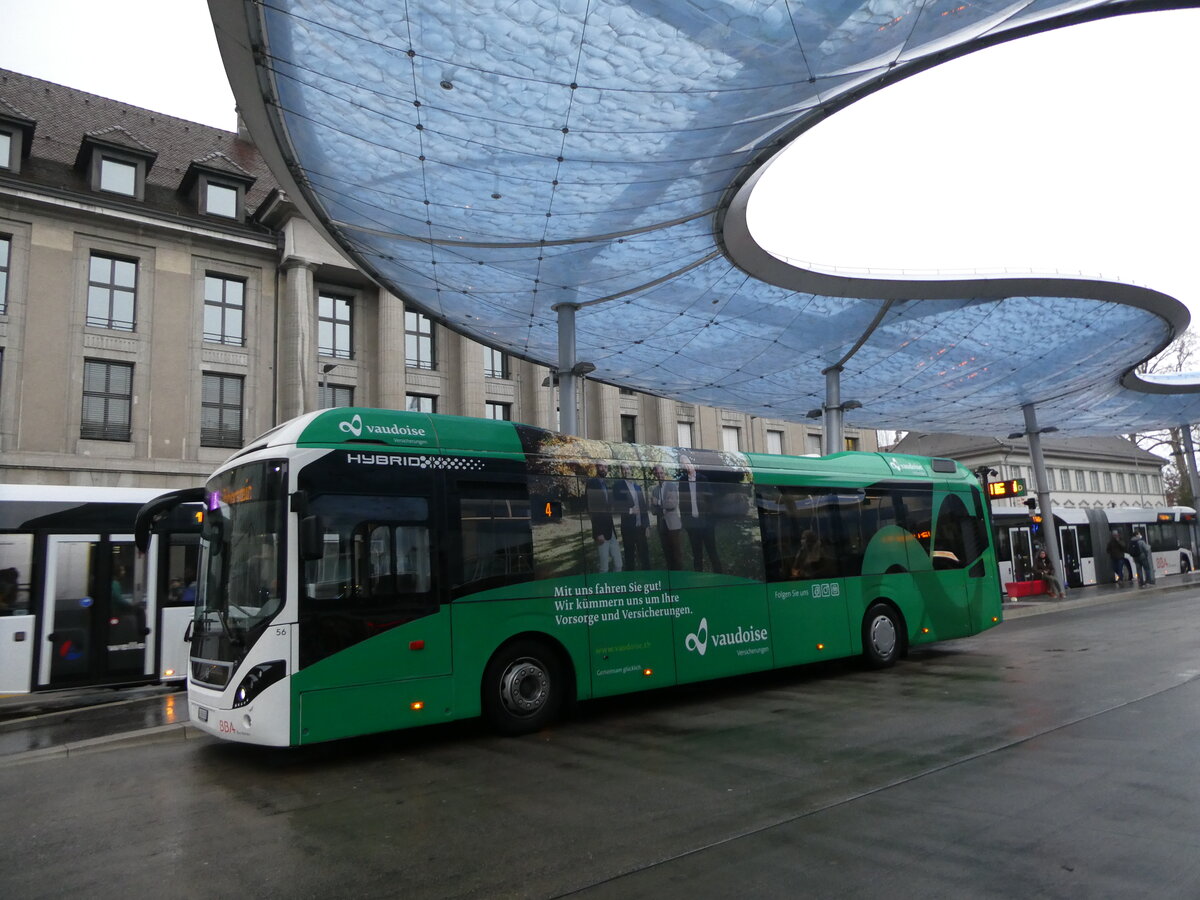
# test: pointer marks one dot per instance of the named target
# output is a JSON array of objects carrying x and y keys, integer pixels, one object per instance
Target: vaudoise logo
[
  {"x": 356, "y": 427},
  {"x": 698, "y": 641}
]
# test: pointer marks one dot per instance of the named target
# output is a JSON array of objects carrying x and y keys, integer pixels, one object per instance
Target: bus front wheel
[
  {"x": 523, "y": 687},
  {"x": 883, "y": 638}
]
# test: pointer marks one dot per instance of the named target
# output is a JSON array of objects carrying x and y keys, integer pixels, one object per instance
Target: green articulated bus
[{"x": 367, "y": 570}]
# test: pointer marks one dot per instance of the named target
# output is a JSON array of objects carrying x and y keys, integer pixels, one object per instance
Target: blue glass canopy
[{"x": 487, "y": 161}]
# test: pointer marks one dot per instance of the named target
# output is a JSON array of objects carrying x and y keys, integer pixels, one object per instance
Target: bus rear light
[
  {"x": 924, "y": 631},
  {"x": 417, "y": 705},
  {"x": 167, "y": 673},
  {"x": 416, "y": 645},
  {"x": 647, "y": 672},
  {"x": 820, "y": 646}
]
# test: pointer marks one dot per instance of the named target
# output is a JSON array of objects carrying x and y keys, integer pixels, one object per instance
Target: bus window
[
  {"x": 800, "y": 532},
  {"x": 558, "y": 537},
  {"x": 958, "y": 538},
  {"x": 497, "y": 540},
  {"x": 182, "y": 560},
  {"x": 369, "y": 543},
  {"x": 375, "y": 571},
  {"x": 16, "y": 558}
]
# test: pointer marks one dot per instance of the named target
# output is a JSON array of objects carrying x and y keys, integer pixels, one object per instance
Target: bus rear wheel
[
  {"x": 523, "y": 687},
  {"x": 883, "y": 638}
]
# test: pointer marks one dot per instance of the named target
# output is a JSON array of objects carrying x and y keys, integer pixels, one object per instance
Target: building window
[
  {"x": 851, "y": 443},
  {"x": 334, "y": 333},
  {"x": 1094, "y": 478},
  {"x": 1108, "y": 482},
  {"x": 774, "y": 441},
  {"x": 221, "y": 411},
  {"x": 499, "y": 411},
  {"x": 331, "y": 395},
  {"x": 5, "y": 251},
  {"x": 1120, "y": 481},
  {"x": 1049, "y": 480},
  {"x": 1080, "y": 483},
  {"x": 220, "y": 200},
  {"x": 495, "y": 363},
  {"x": 112, "y": 291},
  {"x": 418, "y": 341},
  {"x": 224, "y": 310},
  {"x": 118, "y": 176},
  {"x": 425, "y": 403},
  {"x": 6, "y": 145},
  {"x": 629, "y": 429},
  {"x": 684, "y": 434},
  {"x": 731, "y": 438},
  {"x": 812, "y": 444},
  {"x": 107, "y": 400}
]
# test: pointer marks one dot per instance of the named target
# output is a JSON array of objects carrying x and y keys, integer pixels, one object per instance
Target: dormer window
[
  {"x": 118, "y": 177},
  {"x": 218, "y": 186},
  {"x": 16, "y": 137},
  {"x": 115, "y": 162},
  {"x": 221, "y": 199}
]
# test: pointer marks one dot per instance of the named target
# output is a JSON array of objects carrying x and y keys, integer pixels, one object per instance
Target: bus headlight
[{"x": 258, "y": 680}]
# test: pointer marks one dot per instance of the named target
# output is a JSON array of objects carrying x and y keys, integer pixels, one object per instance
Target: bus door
[
  {"x": 1022, "y": 553},
  {"x": 93, "y": 611},
  {"x": 18, "y": 623},
  {"x": 174, "y": 557},
  {"x": 1068, "y": 539}
]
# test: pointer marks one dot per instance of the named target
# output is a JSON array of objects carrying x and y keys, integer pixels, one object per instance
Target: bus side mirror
[
  {"x": 213, "y": 531},
  {"x": 312, "y": 538}
]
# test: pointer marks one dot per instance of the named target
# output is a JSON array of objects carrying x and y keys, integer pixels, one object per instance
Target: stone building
[
  {"x": 162, "y": 302},
  {"x": 1084, "y": 473}
]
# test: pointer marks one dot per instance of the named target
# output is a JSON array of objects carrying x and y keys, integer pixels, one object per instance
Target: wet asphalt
[
  {"x": 1052, "y": 757},
  {"x": 60, "y": 723}
]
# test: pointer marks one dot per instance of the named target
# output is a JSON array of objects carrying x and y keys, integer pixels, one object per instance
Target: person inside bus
[
  {"x": 664, "y": 503},
  {"x": 1116, "y": 554},
  {"x": 811, "y": 559},
  {"x": 8, "y": 590},
  {"x": 1043, "y": 569},
  {"x": 1140, "y": 551},
  {"x": 600, "y": 501}
]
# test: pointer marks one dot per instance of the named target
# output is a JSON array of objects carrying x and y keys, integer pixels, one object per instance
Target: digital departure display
[{"x": 1014, "y": 487}]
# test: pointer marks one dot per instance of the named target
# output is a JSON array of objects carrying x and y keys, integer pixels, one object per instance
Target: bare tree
[{"x": 1179, "y": 357}]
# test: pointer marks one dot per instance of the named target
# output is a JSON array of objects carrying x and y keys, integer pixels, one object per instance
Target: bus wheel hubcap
[
  {"x": 525, "y": 687},
  {"x": 883, "y": 636}
]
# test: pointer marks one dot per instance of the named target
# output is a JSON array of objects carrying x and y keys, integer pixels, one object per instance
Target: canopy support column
[
  {"x": 1050, "y": 530},
  {"x": 568, "y": 421},
  {"x": 833, "y": 439},
  {"x": 1189, "y": 447}
]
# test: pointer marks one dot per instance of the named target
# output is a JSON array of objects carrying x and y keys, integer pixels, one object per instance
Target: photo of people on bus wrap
[{"x": 625, "y": 508}]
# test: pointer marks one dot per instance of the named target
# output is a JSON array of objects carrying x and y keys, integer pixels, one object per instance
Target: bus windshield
[{"x": 242, "y": 586}]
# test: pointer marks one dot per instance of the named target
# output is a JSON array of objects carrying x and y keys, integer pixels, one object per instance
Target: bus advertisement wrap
[{"x": 383, "y": 570}]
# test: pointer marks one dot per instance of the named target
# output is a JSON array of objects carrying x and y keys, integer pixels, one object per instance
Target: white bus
[
  {"x": 79, "y": 606},
  {"x": 1083, "y": 536}
]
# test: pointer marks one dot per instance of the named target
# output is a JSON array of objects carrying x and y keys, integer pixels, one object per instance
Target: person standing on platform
[{"x": 1116, "y": 554}]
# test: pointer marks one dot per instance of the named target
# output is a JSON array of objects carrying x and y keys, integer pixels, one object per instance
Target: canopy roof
[{"x": 487, "y": 160}]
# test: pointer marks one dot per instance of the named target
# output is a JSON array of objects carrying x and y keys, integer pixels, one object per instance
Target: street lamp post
[{"x": 325, "y": 370}]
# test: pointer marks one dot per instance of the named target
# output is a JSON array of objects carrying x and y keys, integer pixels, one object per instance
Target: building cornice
[{"x": 64, "y": 200}]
